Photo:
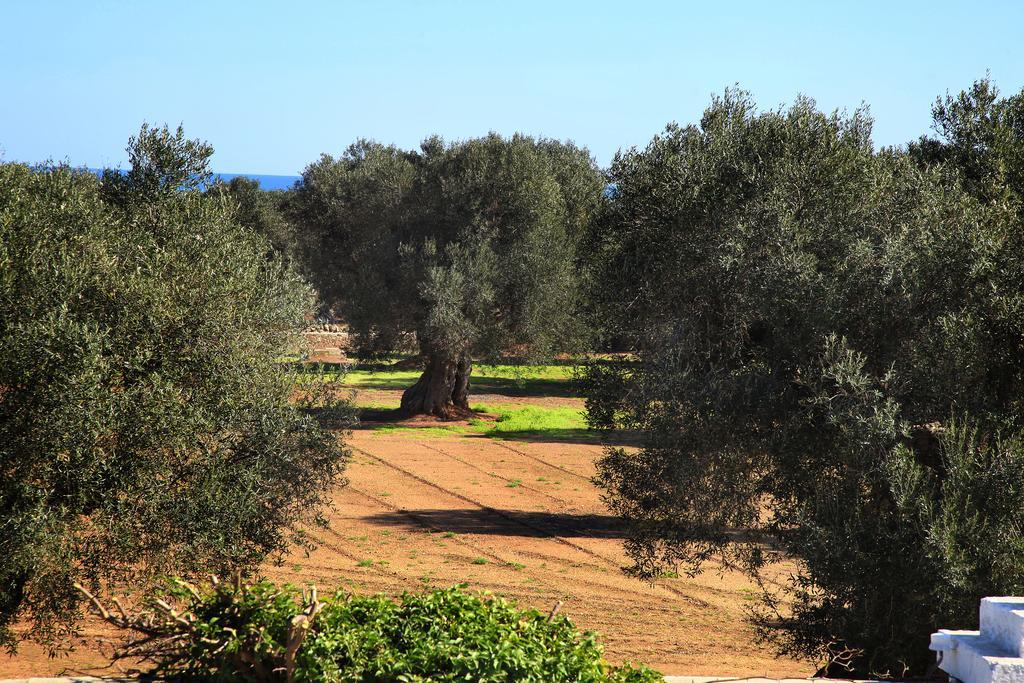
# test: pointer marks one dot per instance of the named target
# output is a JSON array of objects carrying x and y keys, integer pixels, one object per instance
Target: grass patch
[
  {"x": 554, "y": 423},
  {"x": 380, "y": 379},
  {"x": 524, "y": 422},
  {"x": 420, "y": 432},
  {"x": 526, "y": 418}
]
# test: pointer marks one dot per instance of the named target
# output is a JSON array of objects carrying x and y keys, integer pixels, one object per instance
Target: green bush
[
  {"x": 145, "y": 420},
  {"x": 259, "y": 632}
]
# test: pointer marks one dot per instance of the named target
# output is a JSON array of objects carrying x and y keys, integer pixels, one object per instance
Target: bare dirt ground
[
  {"x": 522, "y": 519},
  {"x": 517, "y": 518}
]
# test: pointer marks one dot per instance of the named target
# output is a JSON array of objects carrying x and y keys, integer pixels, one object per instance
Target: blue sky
[{"x": 272, "y": 85}]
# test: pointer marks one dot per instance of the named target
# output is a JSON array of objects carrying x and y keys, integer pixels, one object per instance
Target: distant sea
[{"x": 267, "y": 182}]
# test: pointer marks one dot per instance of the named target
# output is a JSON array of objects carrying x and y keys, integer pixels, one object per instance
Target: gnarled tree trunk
[{"x": 442, "y": 390}]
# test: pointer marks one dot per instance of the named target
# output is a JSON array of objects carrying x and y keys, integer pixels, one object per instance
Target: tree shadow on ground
[
  {"x": 506, "y": 522},
  {"x": 525, "y": 387},
  {"x": 310, "y": 366},
  {"x": 574, "y": 435},
  {"x": 371, "y": 417}
]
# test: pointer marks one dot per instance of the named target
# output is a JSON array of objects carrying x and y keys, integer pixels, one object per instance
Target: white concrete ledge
[
  {"x": 992, "y": 654},
  {"x": 1002, "y": 622},
  {"x": 758, "y": 679}
]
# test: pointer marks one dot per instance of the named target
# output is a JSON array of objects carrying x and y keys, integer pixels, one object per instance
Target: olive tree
[
  {"x": 161, "y": 164},
  {"x": 262, "y": 211},
  {"x": 981, "y": 136},
  {"x": 468, "y": 247},
  {"x": 145, "y": 419},
  {"x": 829, "y": 370}
]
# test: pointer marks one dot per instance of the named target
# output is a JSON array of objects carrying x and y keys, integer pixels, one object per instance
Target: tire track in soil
[
  {"x": 525, "y": 487},
  {"x": 534, "y": 527},
  {"x": 567, "y": 504},
  {"x": 477, "y": 549},
  {"x": 337, "y": 549},
  {"x": 498, "y": 513},
  {"x": 423, "y": 522},
  {"x": 579, "y": 532},
  {"x": 543, "y": 462},
  {"x": 671, "y": 589}
]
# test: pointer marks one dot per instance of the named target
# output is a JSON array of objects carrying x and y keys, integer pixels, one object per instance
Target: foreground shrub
[
  {"x": 145, "y": 423},
  {"x": 259, "y": 632}
]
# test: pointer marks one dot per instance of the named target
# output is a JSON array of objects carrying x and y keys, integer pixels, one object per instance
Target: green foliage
[
  {"x": 145, "y": 423},
  {"x": 809, "y": 314},
  {"x": 261, "y": 211},
  {"x": 161, "y": 164},
  {"x": 468, "y": 246},
  {"x": 348, "y": 212},
  {"x": 981, "y": 136},
  {"x": 259, "y": 632}
]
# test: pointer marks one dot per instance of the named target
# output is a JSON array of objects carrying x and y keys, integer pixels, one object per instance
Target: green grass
[
  {"x": 533, "y": 422},
  {"x": 520, "y": 418},
  {"x": 526, "y": 372},
  {"x": 381, "y": 379},
  {"x": 524, "y": 422},
  {"x": 420, "y": 432}
]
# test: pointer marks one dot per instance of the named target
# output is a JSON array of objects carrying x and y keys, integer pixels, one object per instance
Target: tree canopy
[
  {"x": 467, "y": 248},
  {"x": 829, "y": 357},
  {"x": 145, "y": 423},
  {"x": 262, "y": 211},
  {"x": 981, "y": 135}
]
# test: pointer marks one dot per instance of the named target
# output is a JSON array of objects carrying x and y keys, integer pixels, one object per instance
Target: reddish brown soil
[
  {"x": 523, "y": 520},
  {"x": 516, "y": 518},
  {"x": 91, "y": 655}
]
